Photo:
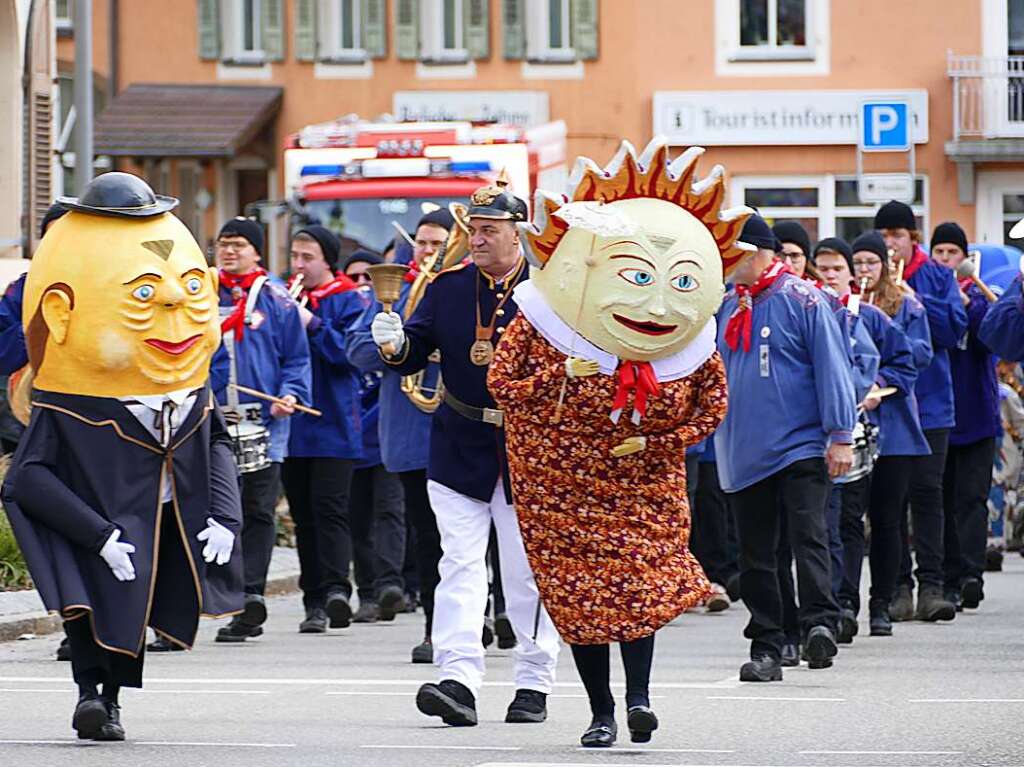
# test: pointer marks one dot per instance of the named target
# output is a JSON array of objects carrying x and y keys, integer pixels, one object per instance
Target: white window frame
[
  {"x": 234, "y": 33},
  {"x": 989, "y": 212},
  {"x": 432, "y": 25},
  {"x": 331, "y": 50},
  {"x": 733, "y": 59},
  {"x": 827, "y": 211},
  {"x": 538, "y": 29},
  {"x": 64, "y": 24}
]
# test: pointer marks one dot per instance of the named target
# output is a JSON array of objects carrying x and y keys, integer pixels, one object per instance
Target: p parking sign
[{"x": 885, "y": 126}]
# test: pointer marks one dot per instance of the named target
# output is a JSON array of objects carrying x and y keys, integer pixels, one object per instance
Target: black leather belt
[{"x": 484, "y": 414}]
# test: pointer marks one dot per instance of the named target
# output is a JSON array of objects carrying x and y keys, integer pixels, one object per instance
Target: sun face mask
[
  {"x": 116, "y": 306},
  {"x": 634, "y": 256}
]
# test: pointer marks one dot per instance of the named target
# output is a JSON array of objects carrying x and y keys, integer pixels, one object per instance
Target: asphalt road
[{"x": 948, "y": 694}]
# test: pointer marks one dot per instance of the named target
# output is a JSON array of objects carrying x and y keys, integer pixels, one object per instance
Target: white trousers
[{"x": 461, "y": 596}]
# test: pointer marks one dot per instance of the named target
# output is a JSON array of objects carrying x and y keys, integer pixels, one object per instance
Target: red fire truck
[{"x": 361, "y": 178}]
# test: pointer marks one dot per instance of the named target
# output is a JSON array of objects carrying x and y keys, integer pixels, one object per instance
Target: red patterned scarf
[
  {"x": 239, "y": 285},
  {"x": 742, "y": 319},
  {"x": 639, "y": 378}
]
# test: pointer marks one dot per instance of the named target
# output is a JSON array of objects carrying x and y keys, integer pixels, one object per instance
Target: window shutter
[
  {"x": 514, "y": 29},
  {"x": 273, "y": 29},
  {"x": 584, "y": 29},
  {"x": 375, "y": 36},
  {"x": 476, "y": 28},
  {"x": 209, "y": 29},
  {"x": 305, "y": 30},
  {"x": 407, "y": 29}
]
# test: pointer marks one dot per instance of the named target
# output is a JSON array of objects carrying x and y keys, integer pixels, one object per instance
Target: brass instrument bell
[{"x": 386, "y": 280}]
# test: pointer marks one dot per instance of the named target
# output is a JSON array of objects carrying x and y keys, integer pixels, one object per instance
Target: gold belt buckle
[{"x": 493, "y": 417}]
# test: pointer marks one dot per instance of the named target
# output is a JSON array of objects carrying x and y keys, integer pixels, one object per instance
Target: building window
[
  {"x": 342, "y": 36},
  {"x": 443, "y": 32},
  {"x": 773, "y": 28},
  {"x": 826, "y": 206},
  {"x": 549, "y": 31},
  {"x": 244, "y": 33},
  {"x": 772, "y": 37},
  {"x": 64, "y": 16}
]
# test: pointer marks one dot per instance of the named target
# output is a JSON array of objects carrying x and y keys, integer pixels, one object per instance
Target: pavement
[{"x": 933, "y": 694}]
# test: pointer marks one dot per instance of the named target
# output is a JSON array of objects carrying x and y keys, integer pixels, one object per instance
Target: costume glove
[
  {"x": 219, "y": 542},
  {"x": 387, "y": 329},
  {"x": 629, "y": 446},
  {"x": 115, "y": 554},
  {"x": 577, "y": 367}
]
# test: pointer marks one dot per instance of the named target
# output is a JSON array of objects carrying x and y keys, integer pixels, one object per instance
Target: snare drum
[
  {"x": 251, "y": 445},
  {"x": 865, "y": 450}
]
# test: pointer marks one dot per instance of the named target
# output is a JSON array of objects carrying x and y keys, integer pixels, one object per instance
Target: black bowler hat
[
  {"x": 121, "y": 195},
  {"x": 496, "y": 201}
]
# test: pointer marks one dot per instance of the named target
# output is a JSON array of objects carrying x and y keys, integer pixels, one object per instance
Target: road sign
[
  {"x": 882, "y": 187},
  {"x": 884, "y": 126}
]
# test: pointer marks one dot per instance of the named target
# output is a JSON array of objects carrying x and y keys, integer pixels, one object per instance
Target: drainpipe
[{"x": 83, "y": 94}]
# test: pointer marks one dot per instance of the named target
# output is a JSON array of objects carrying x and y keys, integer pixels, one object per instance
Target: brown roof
[{"x": 150, "y": 120}]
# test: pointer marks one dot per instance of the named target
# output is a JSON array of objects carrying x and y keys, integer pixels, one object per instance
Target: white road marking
[
  {"x": 320, "y": 682},
  {"x": 149, "y": 743},
  {"x": 880, "y": 753},
  {"x": 662, "y": 751},
  {"x": 966, "y": 700},
  {"x": 131, "y": 691},
  {"x": 774, "y": 698},
  {"x": 65, "y": 691},
  {"x": 446, "y": 748},
  {"x": 385, "y": 693}
]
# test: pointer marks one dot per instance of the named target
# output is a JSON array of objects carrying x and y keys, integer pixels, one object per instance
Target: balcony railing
[{"x": 988, "y": 96}]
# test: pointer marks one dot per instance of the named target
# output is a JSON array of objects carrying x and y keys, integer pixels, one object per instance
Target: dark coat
[{"x": 85, "y": 467}]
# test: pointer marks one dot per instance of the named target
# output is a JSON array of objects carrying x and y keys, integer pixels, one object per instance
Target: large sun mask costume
[{"x": 120, "y": 304}]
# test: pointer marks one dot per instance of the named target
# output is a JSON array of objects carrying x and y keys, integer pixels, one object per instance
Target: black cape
[{"x": 85, "y": 467}]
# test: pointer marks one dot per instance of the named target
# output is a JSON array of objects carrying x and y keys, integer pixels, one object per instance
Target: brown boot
[{"x": 932, "y": 606}]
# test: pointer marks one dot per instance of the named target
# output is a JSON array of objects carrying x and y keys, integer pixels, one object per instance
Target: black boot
[
  {"x": 390, "y": 602},
  {"x": 848, "y": 627},
  {"x": 238, "y": 631},
  {"x": 601, "y": 733},
  {"x": 642, "y": 722},
  {"x": 64, "y": 650},
  {"x": 255, "y": 611},
  {"x": 316, "y": 621},
  {"x": 761, "y": 668},
  {"x": 162, "y": 644},
  {"x": 503, "y": 630},
  {"x": 111, "y": 730},
  {"x": 450, "y": 700},
  {"x": 881, "y": 625},
  {"x": 821, "y": 647},
  {"x": 90, "y": 715},
  {"x": 423, "y": 652},
  {"x": 339, "y": 610},
  {"x": 902, "y": 606},
  {"x": 790, "y": 654},
  {"x": 971, "y": 593},
  {"x": 529, "y": 706},
  {"x": 931, "y": 606}
]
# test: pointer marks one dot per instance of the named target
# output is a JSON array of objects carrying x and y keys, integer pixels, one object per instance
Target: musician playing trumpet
[{"x": 972, "y": 442}]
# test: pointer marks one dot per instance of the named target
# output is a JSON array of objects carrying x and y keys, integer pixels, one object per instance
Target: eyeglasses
[
  {"x": 867, "y": 264},
  {"x": 234, "y": 245},
  {"x": 362, "y": 277}
]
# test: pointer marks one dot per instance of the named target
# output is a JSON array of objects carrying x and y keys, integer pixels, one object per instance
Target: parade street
[{"x": 934, "y": 694}]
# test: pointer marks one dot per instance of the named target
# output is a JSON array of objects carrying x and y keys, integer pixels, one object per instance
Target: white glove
[
  {"x": 115, "y": 554},
  {"x": 219, "y": 542},
  {"x": 387, "y": 329},
  {"x": 305, "y": 315}
]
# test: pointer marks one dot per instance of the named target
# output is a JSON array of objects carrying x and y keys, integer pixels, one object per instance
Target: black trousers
[
  {"x": 890, "y": 481},
  {"x": 854, "y": 500},
  {"x": 378, "y": 530},
  {"x": 798, "y": 494},
  {"x": 428, "y": 539},
  {"x": 966, "y": 484},
  {"x": 593, "y": 662},
  {"x": 713, "y": 536},
  {"x": 92, "y": 665},
  {"x": 259, "y": 525},
  {"x": 318, "y": 500},
  {"x": 925, "y": 495}
]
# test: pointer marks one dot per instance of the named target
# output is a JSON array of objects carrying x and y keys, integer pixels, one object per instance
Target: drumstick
[
  {"x": 276, "y": 400},
  {"x": 879, "y": 393}
]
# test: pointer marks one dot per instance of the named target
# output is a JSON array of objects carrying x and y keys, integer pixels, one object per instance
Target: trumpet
[{"x": 295, "y": 290}]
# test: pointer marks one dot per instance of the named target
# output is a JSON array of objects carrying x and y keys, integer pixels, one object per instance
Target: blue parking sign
[{"x": 885, "y": 126}]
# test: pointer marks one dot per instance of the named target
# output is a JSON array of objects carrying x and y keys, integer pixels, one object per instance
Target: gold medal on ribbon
[{"x": 481, "y": 352}]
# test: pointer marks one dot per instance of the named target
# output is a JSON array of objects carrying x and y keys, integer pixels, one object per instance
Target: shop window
[{"x": 772, "y": 36}]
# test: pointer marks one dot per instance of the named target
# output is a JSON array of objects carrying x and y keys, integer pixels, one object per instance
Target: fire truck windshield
[{"x": 366, "y": 223}]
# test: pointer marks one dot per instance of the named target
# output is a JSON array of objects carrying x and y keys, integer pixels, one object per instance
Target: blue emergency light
[
  {"x": 470, "y": 166},
  {"x": 322, "y": 170}
]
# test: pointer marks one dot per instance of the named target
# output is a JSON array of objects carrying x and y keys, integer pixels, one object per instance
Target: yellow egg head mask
[
  {"x": 117, "y": 306},
  {"x": 634, "y": 256}
]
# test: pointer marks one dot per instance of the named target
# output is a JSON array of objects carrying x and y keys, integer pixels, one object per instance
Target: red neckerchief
[
  {"x": 965, "y": 283},
  {"x": 339, "y": 284},
  {"x": 238, "y": 285},
  {"x": 639, "y": 378},
  {"x": 742, "y": 319},
  {"x": 413, "y": 273},
  {"x": 915, "y": 263}
]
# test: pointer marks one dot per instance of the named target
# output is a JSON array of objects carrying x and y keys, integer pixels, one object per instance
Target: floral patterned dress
[{"x": 607, "y": 537}]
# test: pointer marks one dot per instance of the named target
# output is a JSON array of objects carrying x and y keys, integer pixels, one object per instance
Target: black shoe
[
  {"x": 529, "y": 706},
  {"x": 931, "y": 606},
  {"x": 368, "y": 612},
  {"x": 848, "y": 627},
  {"x": 238, "y": 631},
  {"x": 790, "y": 654},
  {"x": 953, "y": 597},
  {"x": 821, "y": 647},
  {"x": 601, "y": 733},
  {"x": 487, "y": 636},
  {"x": 162, "y": 644},
  {"x": 90, "y": 715},
  {"x": 255, "y": 612},
  {"x": 423, "y": 652},
  {"x": 971, "y": 593},
  {"x": 64, "y": 650},
  {"x": 316, "y": 621},
  {"x": 339, "y": 610},
  {"x": 503, "y": 630},
  {"x": 993, "y": 560},
  {"x": 642, "y": 722},
  {"x": 732, "y": 587},
  {"x": 902, "y": 606},
  {"x": 111, "y": 730},
  {"x": 391, "y": 601},
  {"x": 763, "y": 668},
  {"x": 881, "y": 625},
  {"x": 450, "y": 700}
]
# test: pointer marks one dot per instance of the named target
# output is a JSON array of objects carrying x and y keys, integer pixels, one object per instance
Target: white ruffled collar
[{"x": 557, "y": 333}]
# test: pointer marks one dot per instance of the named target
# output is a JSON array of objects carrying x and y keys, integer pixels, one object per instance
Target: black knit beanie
[
  {"x": 895, "y": 215},
  {"x": 836, "y": 245},
  {"x": 950, "y": 233},
  {"x": 792, "y": 231},
  {"x": 873, "y": 243},
  {"x": 328, "y": 241},
  {"x": 245, "y": 228}
]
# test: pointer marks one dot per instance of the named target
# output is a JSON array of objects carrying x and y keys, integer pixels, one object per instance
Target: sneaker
[
  {"x": 391, "y": 601},
  {"x": 368, "y": 612},
  {"x": 641, "y": 722},
  {"x": 423, "y": 652},
  {"x": 931, "y": 606},
  {"x": 238, "y": 631},
  {"x": 316, "y": 621},
  {"x": 902, "y": 606},
  {"x": 821, "y": 647},
  {"x": 761, "y": 668},
  {"x": 162, "y": 644},
  {"x": 450, "y": 700},
  {"x": 503, "y": 630},
  {"x": 529, "y": 706},
  {"x": 848, "y": 627},
  {"x": 339, "y": 610},
  {"x": 971, "y": 593},
  {"x": 719, "y": 599},
  {"x": 881, "y": 625}
]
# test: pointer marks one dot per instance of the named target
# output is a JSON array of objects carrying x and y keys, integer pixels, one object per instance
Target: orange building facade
[{"x": 773, "y": 88}]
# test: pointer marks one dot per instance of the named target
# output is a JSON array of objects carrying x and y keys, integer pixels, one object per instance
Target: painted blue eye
[
  {"x": 194, "y": 285},
  {"x": 144, "y": 292},
  {"x": 685, "y": 283},
  {"x": 637, "y": 277}
]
